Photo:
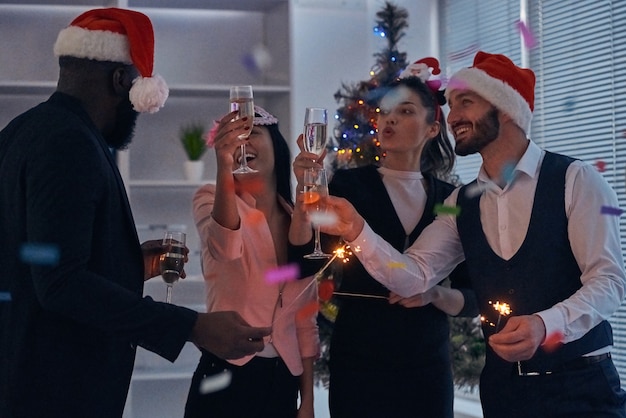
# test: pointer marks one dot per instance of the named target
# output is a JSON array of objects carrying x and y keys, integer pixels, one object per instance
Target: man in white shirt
[{"x": 539, "y": 234}]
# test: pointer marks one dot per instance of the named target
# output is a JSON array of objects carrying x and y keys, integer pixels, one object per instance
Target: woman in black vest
[{"x": 390, "y": 356}]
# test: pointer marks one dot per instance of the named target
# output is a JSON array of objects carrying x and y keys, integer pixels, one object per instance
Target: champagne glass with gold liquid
[
  {"x": 242, "y": 101},
  {"x": 172, "y": 260}
]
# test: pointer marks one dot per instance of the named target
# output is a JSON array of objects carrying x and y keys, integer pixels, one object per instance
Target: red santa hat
[
  {"x": 498, "y": 80},
  {"x": 118, "y": 35},
  {"x": 421, "y": 68}
]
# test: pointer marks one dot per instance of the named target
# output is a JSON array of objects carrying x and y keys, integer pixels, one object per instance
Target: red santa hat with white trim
[
  {"x": 118, "y": 35},
  {"x": 498, "y": 80}
]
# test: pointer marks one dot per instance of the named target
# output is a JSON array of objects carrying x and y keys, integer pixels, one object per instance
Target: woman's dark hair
[
  {"x": 282, "y": 163},
  {"x": 438, "y": 155}
]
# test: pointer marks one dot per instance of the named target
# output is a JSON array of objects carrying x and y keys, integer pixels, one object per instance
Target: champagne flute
[
  {"x": 242, "y": 101},
  {"x": 315, "y": 187},
  {"x": 315, "y": 123},
  {"x": 172, "y": 260}
]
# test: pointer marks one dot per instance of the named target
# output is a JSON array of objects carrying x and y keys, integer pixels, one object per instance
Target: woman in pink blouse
[{"x": 243, "y": 222}]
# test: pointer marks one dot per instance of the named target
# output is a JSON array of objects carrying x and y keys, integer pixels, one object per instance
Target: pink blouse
[{"x": 234, "y": 264}]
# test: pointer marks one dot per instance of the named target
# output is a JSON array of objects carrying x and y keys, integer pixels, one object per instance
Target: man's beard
[
  {"x": 486, "y": 130},
  {"x": 122, "y": 134}
]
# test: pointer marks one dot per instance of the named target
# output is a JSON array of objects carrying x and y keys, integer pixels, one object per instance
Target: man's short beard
[
  {"x": 486, "y": 130},
  {"x": 122, "y": 134}
]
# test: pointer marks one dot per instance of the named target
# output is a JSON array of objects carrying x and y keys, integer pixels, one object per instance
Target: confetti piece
[
  {"x": 569, "y": 105},
  {"x": 323, "y": 218},
  {"x": 441, "y": 209},
  {"x": 608, "y": 210},
  {"x": 508, "y": 173},
  {"x": 286, "y": 273},
  {"x": 600, "y": 166},
  {"x": 474, "y": 190},
  {"x": 251, "y": 185},
  {"x": 215, "y": 382},
  {"x": 396, "y": 265},
  {"x": 325, "y": 290},
  {"x": 5, "y": 296},
  {"x": 39, "y": 254},
  {"x": 527, "y": 36},
  {"x": 329, "y": 310},
  {"x": 553, "y": 342},
  {"x": 393, "y": 98},
  {"x": 456, "y": 84},
  {"x": 258, "y": 60},
  {"x": 255, "y": 217},
  {"x": 307, "y": 310}
]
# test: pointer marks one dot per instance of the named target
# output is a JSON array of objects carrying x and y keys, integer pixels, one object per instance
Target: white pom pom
[{"x": 148, "y": 94}]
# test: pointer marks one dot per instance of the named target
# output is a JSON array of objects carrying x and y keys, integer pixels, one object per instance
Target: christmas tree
[
  {"x": 355, "y": 144},
  {"x": 354, "y": 138}
]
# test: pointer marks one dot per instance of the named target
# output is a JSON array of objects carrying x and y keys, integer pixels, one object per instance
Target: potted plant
[{"x": 192, "y": 139}]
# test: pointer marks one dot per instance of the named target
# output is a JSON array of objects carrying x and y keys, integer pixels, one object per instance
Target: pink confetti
[
  {"x": 553, "y": 342},
  {"x": 600, "y": 166},
  {"x": 527, "y": 36},
  {"x": 209, "y": 138},
  {"x": 252, "y": 186},
  {"x": 308, "y": 310},
  {"x": 455, "y": 84},
  {"x": 255, "y": 217},
  {"x": 286, "y": 273}
]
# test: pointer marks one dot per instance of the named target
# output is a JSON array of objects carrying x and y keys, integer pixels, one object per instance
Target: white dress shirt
[
  {"x": 505, "y": 215},
  {"x": 407, "y": 194}
]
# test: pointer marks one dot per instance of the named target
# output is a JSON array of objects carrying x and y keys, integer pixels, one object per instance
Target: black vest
[{"x": 542, "y": 273}]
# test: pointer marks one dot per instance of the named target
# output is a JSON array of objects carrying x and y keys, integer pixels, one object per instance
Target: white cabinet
[{"x": 200, "y": 51}]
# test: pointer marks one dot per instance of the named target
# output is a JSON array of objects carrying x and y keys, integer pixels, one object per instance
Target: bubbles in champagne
[
  {"x": 315, "y": 138},
  {"x": 245, "y": 107}
]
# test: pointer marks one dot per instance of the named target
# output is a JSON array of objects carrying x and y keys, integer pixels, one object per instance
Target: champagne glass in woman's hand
[
  {"x": 315, "y": 122},
  {"x": 172, "y": 260},
  {"x": 315, "y": 187},
  {"x": 241, "y": 100}
]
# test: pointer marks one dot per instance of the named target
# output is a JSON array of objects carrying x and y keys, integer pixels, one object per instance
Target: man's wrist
[{"x": 355, "y": 229}]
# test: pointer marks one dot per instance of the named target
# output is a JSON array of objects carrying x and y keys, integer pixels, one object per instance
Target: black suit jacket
[{"x": 69, "y": 332}]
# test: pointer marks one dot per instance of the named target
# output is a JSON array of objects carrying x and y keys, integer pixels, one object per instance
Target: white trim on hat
[
  {"x": 101, "y": 45},
  {"x": 497, "y": 92}
]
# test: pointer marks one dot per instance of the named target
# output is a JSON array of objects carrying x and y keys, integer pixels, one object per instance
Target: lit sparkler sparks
[
  {"x": 341, "y": 252},
  {"x": 503, "y": 309}
]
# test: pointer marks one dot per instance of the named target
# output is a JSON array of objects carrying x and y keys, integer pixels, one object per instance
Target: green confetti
[{"x": 441, "y": 209}]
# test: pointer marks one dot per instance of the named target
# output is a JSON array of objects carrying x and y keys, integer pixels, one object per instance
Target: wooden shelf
[{"x": 176, "y": 90}]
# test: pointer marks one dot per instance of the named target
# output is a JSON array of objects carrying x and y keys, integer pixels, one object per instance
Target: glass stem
[
  {"x": 243, "y": 162},
  {"x": 318, "y": 247},
  {"x": 168, "y": 296}
]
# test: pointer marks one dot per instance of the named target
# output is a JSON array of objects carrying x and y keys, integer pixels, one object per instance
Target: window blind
[{"x": 468, "y": 27}]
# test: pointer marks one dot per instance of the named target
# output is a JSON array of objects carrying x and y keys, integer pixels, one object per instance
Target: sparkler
[
  {"x": 503, "y": 309},
  {"x": 341, "y": 252}
]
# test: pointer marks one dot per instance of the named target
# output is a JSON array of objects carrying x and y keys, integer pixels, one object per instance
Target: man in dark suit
[{"x": 71, "y": 317}]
